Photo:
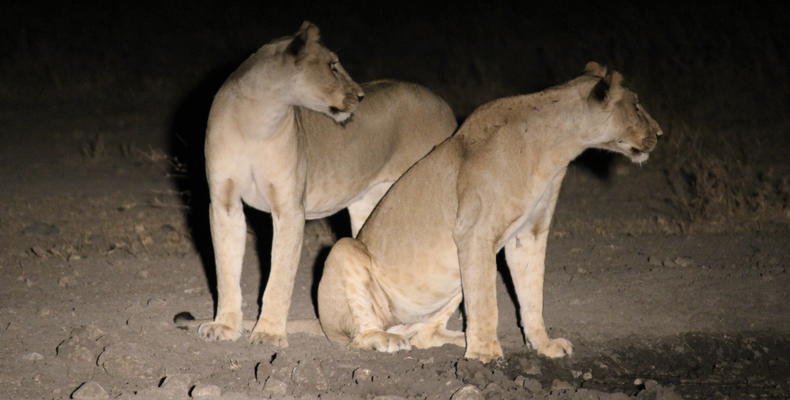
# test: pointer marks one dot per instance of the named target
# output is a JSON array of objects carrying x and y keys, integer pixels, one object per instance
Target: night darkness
[{"x": 670, "y": 277}]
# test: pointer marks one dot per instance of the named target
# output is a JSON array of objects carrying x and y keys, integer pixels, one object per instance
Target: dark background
[{"x": 716, "y": 77}]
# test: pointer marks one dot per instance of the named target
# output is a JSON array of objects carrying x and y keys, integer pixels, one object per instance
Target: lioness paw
[
  {"x": 381, "y": 341},
  {"x": 485, "y": 353},
  {"x": 556, "y": 348},
  {"x": 267, "y": 338},
  {"x": 218, "y": 331}
]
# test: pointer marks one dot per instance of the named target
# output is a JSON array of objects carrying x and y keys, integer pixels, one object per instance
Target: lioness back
[{"x": 396, "y": 125}]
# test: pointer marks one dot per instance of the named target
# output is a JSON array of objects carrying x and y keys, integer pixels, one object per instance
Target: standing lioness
[
  {"x": 433, "y": 238},
  {"x": 271, "y": 144}
]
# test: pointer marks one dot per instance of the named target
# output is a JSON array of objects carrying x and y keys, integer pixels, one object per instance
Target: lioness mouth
[{"x": 334, "y": 110}]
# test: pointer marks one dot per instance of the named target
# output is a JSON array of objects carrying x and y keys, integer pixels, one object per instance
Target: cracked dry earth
[{"x": 99, "y": 250}]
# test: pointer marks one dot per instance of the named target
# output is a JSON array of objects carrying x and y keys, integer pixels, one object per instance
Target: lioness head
[
  {"x": 630, "y": 130},
  {"x": 321, "y": 83}
]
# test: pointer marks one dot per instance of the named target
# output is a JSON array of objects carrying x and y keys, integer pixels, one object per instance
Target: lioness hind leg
[
  {"x": 434, "y": 332},
  {"x": 348, "y": 308}
]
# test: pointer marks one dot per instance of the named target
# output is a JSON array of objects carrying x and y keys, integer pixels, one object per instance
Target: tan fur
[
  {"x": 271, "y": 144},
  {"x": 434, "y": 237}
]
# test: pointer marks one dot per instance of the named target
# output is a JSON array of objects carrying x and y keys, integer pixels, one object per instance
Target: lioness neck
[
  {"x": 557, "y": 121},
  {"x": 258, "y": 86}
]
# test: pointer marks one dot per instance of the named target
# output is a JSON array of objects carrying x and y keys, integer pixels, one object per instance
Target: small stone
[
  {"x": 156, "y": 302},
  {"x": 177, "y": 384},
  {"x": 275, "y": 387},
  {"x": 493, "y": 391},
  {"x": 389, "y": 397},
  {"x": 531, "y": 367},
  {"x": 44, "y": 312},
  {"x": 426, "y": 361},
  {"x": 90, "y": 391},
  {"x": 139, "y": 228},
  {"x": 558, "y": 385},
  {"x": 204, "y": 391},
  {"x": 468, "y": 392},
  {"x": 147, "y": 241},
  {"x": 654, "y": 261},
  {"x": 362, "y": 375},
  {"x": 67, "y": 281},
  {"x": 587, "y": 376},
  {"x": 684, "y": 261},
  {"x": 576, "y": 373},
  {"x": 531, "y": 384},
  {"x": 143, "y": 274},
  {"x": 263, "y": 370},
  {"x": 33, "y": 356},
  {"x": 668, "y": 263}
]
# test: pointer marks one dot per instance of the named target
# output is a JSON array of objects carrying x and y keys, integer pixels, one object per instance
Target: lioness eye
[{"x": 333, "y": 66}]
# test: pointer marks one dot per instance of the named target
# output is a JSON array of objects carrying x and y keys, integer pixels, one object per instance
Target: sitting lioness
[
  {"x": 432, "y": 240},
  {"x": 280, "y": 138}
]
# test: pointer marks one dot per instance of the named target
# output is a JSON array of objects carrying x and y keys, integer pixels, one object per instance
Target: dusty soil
[{"x": 102, "y": 243}]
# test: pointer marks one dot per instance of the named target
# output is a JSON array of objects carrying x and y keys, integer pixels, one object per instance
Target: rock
[
  {"x": 531, "y": 384},
  {"x": 306, "y": 373},
  {"x": 90, "y": 391},
  {"x": 587, "y": 394},
  {"x": 33, "y": 356},
  {"x": 129, "y": 360},
  {"x": 156, "y": 302},
  {"x": 177, "y": 384},
  {"x": 473, "y": 372},
  {"x": 361, "y": 375},
  {"x": 493, "y": 391},
  {"x": 205, "y": 391},
  {"x": 684, "y": 261},
  {"x": 587, "y": 376},
  {"x": 529, "y": 367},
  {"x": 468, "y": 392},
  {"x": 389, "y": 397},
  {"x": 263, "y": 370},
  {"x": 275, "y": 388},
  {"x": 654, "y": 261},
  {"x": 558, "y": 385},
  {"x": 654, "y": 391},
  {"x": 67, "y": 281},
  {"x": 81, "y": 346}
]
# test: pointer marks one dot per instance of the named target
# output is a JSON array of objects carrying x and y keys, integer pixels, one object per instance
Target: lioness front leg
[
  {"x": 478, "y": 280},
  {"x": 526, "y": 255},
  {"x": 287, "y": 238},
  {"x": 228, "y": 234}
]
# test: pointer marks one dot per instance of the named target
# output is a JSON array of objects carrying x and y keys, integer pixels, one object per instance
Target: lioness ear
[
  {"x": 608, "y": 90},
  {"x": 615, "y": 92},
  {"x": 595, "y": 69},
  {"x": 307, "y": 34}
]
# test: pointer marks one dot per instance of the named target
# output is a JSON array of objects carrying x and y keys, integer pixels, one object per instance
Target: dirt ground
[{"x": 100, "y": 246}]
